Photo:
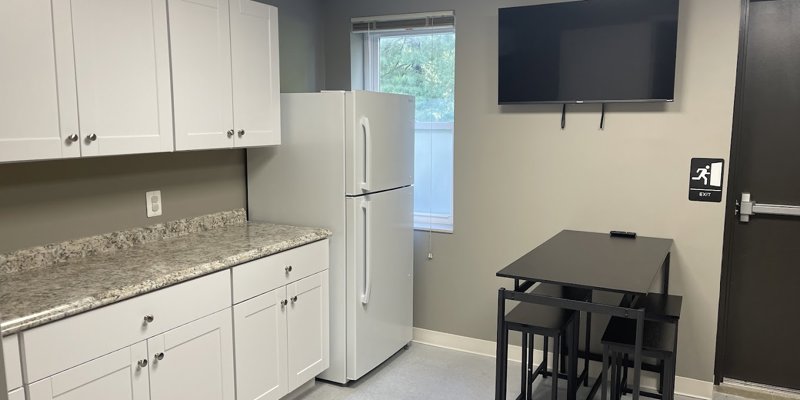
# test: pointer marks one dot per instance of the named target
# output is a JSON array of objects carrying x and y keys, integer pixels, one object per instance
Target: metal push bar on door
[{"x": 748, "y": 208}]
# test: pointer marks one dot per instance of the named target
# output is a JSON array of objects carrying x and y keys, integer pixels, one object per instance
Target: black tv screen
[{"x": 591, "y": 51}]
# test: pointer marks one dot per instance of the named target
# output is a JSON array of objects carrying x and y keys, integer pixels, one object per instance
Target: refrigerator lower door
[{"x": 380, "y": 278}]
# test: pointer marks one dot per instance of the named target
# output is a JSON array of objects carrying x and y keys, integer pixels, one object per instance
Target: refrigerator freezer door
[
  {"x": 379, "y": 143},
  {"x": 380, "y": 263}
]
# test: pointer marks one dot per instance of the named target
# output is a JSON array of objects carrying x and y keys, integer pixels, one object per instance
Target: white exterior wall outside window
[{"x": 420, "y": 61}]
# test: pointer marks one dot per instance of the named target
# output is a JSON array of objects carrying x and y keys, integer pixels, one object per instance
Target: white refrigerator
[{"x": 346, "y": 163}]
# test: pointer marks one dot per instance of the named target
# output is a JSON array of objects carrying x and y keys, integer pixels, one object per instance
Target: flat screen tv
[{"x": 590, "y": 51}]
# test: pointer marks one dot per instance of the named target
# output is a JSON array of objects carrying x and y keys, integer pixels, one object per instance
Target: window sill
[{"x": 436, "y": 228}]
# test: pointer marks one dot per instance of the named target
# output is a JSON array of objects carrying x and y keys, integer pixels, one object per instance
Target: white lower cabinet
[
  {"x": 114, "y": 376},
  {"x": 282, "y": 338},
  {"x": 261, "y": 346},
  {"x": 307, "y": 327},
  {"x": 12, "y": 362},
  {"x": 194, "y": 361},
  {"x": 18, "y": 394},
  {"x": 180, "y": 341}
]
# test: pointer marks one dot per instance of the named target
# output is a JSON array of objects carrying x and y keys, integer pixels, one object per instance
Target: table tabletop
[{"x": 593, "y": 261}]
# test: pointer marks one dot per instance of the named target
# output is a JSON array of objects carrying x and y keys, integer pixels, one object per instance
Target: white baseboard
[{"x": 683, "y": 386}]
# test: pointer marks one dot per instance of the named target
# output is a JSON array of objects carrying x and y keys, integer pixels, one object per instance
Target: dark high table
[{"x": 586, "y": 260}]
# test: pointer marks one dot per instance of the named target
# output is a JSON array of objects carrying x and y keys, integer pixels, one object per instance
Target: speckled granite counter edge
[
  {"x": 86, "y": 304},
  {"x": 57, "y": 253}
]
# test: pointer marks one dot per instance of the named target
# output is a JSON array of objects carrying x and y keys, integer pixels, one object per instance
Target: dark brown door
[{"x": 760, "y": 328}]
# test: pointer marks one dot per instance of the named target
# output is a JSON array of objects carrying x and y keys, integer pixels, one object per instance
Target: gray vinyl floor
[{"x": 427, "y": 372}]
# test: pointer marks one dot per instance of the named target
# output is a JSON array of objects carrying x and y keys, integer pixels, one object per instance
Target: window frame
[{"x": 427, "y": 222}]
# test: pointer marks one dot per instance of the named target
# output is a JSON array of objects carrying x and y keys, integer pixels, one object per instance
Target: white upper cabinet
[
  {"x": 122, "y": 76},
  {"x": 256, "y": 79},
  {"x": 106, "y": 77},
  {"x": 200, "y": 42},
  {"x": 225, "y": 68},
  {"x": 30, "y": 128}
]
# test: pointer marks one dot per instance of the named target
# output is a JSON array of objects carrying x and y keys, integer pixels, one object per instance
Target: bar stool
[
  {"x": 660, "y": 342},
  {"x": 549, "y": 322}
]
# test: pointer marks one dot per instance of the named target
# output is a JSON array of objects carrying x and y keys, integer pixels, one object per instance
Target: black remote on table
[{"x": 623, "y": 234}]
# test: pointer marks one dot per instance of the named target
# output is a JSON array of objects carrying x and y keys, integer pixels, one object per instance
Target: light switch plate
[{"x": 154, "y": 203}]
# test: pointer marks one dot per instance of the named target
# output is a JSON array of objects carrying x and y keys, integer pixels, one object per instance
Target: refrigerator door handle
[
  {"x": 365, "y": 186},
  {"x": 367, "y": 265}
]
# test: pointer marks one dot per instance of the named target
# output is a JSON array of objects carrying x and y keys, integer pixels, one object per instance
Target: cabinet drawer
[
  {"x": 268, "y": 273},
  {"x": 13, "y": 363},
  {"x": 63, "y": 344}
]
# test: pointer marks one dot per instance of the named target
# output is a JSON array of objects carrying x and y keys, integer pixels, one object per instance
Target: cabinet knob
[
  {"x": 91, "y": 137},
  {"x": 288, "y": 269},
  {"x": 148, "y": 319},
  {"x": 230, "y": 133},
  {"x": 241, "y": 132},
  {"x": 142, "y": 363},
  {"x": 159, "y": 356},
  {"x": 294, "y": 299},
  {"x": 284, "y": 303},
  {"x": 73, "y": 138}
]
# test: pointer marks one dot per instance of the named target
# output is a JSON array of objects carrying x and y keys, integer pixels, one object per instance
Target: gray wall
[
  {"x": 519, "y": 179},
  {"x": 50, "y": 201},
  {"x": 301, "y": 45}
]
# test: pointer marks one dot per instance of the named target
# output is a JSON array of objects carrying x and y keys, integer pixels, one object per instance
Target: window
[{"x": 421, "y": 62}]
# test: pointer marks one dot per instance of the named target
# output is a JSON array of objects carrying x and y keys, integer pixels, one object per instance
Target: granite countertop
[{"x": 35, "y": 296}]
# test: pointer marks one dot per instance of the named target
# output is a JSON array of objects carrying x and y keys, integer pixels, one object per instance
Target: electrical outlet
[{"x": 154, "y": 203}]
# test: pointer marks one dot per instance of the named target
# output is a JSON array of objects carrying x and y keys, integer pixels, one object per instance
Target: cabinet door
[
  {"x": 30, "y": 128},
  {"x": 200, "y": 46},
  {"x": 256, "y": 81},
  {"x": 308, "y": 329},
  {"x": 194, "y": 361},
  {"x": 260, "y": 338},
  {"x": 114, "y": 376},
  {"x": 122, "y": 74},
  {"x": 18, "y": 394}
]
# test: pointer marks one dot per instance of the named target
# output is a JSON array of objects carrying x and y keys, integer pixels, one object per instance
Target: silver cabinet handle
[
  {"x": 230, "y": 133},
  {"x": 148, "y": 318},
  {"x": 73, "y": 138},
  {"x": 294, "y": 299},
  {"x": 288, "y": 269},
  {"x": 91, "y": 137},
  {"x": 142, "y": 363},
  {"x": 241, "y": 132},
  {"x": 159, "y": 356}
]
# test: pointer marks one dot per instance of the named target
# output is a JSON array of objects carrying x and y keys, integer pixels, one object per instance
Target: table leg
[
  {"x": 502, "y": 347},
  {"x": 556, "y": 359},
  {"x": 588, "y": 345},
  {"x": 524, "y": 368},
  {"x": 637, "y": 354},
  {"x": 614, "y": 375},
  {"x": 664, "y": 290},
  {"x": 665, "y": 276},
  {"x": 572, "y": 364},
  {"x": 604, "y": 372},
  {"x": 529, "y": 389}
]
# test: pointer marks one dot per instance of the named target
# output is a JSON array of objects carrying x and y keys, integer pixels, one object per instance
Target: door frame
[{"x": 734, "y": 189}]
